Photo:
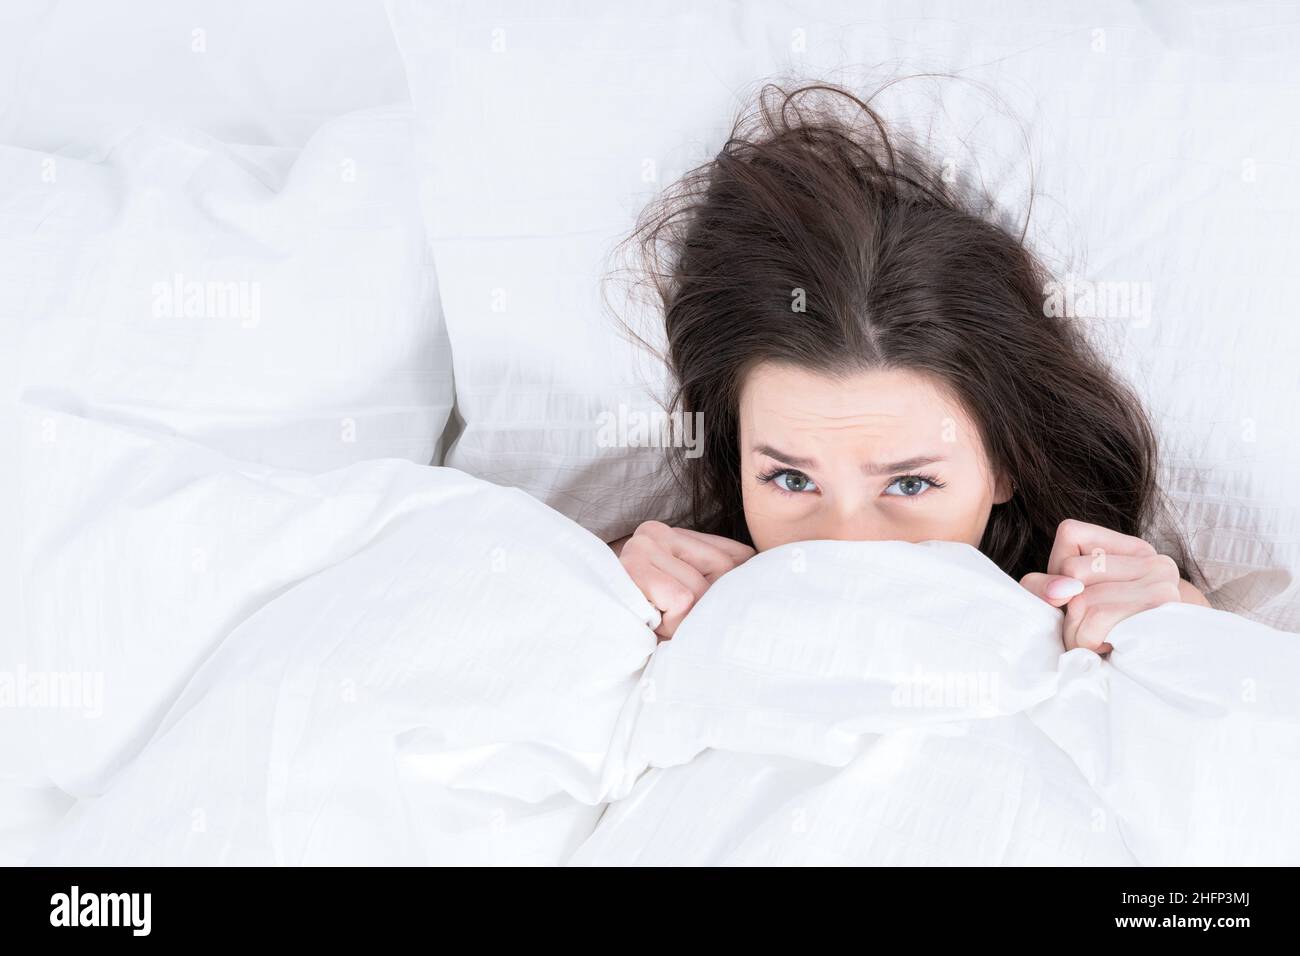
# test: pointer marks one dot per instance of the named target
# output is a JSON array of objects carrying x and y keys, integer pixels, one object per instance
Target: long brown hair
[{"x": 899, "y": 270}]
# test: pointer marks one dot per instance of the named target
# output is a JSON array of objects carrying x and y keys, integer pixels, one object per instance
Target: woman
[{"x": 872, "y": 359}]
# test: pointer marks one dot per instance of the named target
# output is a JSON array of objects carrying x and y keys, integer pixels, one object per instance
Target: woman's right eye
[{"x": 789, "y": 481}]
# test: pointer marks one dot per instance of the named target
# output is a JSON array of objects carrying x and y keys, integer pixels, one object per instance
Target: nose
[{"x": 858, "y": 524}]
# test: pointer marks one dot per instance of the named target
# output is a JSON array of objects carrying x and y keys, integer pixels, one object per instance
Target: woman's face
[{"x": 874, "y": 456}]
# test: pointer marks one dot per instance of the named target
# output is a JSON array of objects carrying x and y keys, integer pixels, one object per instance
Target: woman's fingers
[
  {"x": 1075, "y": 538},
  {"x": 708, "y": 560},
  {"x": 682, "y": 571},
  {"x": 1055, "y": 589},
  {"x": 736, "y": 552},
  {"x": 1100, "y": 578},
  {"x": 674, "y": 567},
  {"x": 685, "y": 575},
  {"x": 712, "y": 555},
  {"x": 672, "y": 597},
  {"x": 1083, "y": 556},
  {"x": 1106, "y": 566},
  {"x": 1090, "y": 617}
]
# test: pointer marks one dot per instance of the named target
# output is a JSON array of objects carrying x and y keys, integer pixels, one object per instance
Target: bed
[{"x": 312, "y": 332}]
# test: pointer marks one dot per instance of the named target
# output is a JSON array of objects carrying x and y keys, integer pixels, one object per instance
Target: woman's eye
[
  {"x": 794, "y": 482},
  {"x": 909, "y": 486}
]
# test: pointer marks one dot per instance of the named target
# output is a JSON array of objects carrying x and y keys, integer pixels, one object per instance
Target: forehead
[{"x": 888, "y": 406}]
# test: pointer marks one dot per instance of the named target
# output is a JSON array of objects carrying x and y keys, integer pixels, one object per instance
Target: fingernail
[{"x": 1064, "y": 588}]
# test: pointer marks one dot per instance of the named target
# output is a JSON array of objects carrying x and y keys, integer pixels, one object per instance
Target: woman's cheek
[
  {"x": 948, "y": 520},
  {"x": 969, "y": 524},
  {"x": 766, "y": 530},
  {"x": 774, "y": 523}
]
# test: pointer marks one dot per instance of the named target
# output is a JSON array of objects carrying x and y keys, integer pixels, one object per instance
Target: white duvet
[{"x": 396, "y": 664}]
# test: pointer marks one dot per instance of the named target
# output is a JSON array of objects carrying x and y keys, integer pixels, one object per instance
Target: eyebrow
[{"x": 871, "y": 468}]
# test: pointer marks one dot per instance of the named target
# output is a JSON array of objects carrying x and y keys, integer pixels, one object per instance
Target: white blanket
[
  {"x": 395, "y": 664},
  {"x": 892, "y": 703},
  {"x": 311, "y": 669}
]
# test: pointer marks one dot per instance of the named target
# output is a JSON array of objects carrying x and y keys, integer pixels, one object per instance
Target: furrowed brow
[
  {"x": 792, "y": 460},
  {"x": 871, "y": 468},
  {"x": 900, "y": 467}
]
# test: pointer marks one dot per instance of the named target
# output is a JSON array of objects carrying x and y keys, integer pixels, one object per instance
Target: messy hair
[{"x": 900, "y": 270}]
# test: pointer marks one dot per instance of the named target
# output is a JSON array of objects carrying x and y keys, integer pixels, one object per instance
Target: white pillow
[
  {"x": 75, "y": 74},
  {"x": 541, "y": 137},
  {"x": 278, "y": 306},
  {"x": 533, "y": 166}
]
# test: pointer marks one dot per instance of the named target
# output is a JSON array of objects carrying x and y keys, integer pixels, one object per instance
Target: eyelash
[{"x": 769, "y": 476}]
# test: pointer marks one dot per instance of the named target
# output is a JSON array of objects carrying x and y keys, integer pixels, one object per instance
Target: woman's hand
[
  {"x": 673, "y": 567},
  {"x": 1102, "y": 577}
]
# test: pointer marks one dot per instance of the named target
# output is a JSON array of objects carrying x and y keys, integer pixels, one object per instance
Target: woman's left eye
[{"x": 912, "y": 486}]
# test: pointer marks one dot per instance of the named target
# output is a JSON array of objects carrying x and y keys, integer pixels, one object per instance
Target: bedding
[
  {"x": 275, "y": 304},
  {"x": 272, "y": 304},
  {"x": 889, "y": 703},
  {"x": 215, "y": 149},
  {"x": 290, "y": 640},
  {"x": 77, "y": 74},
  {"x": 322, "y": 668},
  {"x": 408, "y": 665}
]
